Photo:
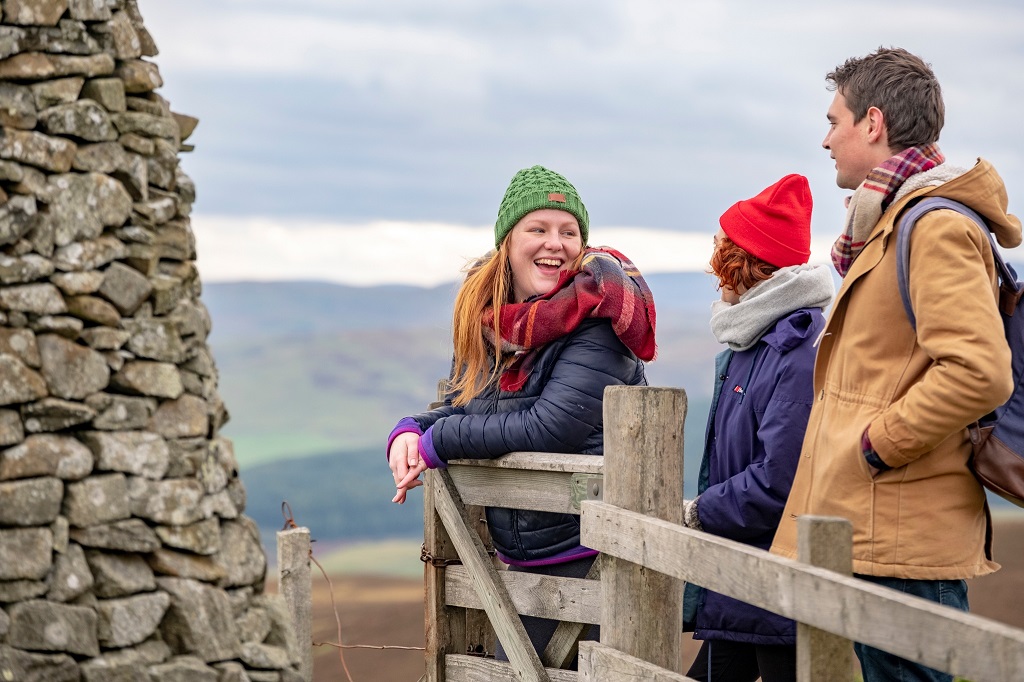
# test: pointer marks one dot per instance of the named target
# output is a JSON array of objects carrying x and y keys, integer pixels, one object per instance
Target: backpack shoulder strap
[{"x": 906, "y": 225}]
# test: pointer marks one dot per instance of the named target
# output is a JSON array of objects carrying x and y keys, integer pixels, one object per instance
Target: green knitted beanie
[{"x": 534, "y": 188}]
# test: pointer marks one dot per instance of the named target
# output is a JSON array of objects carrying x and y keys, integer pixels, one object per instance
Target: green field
[
  {"x": 301, "y": 396},
  {"x": 392, "y": 558}
]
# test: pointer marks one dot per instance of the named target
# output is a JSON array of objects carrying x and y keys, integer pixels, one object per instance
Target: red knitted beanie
[{"x": 775, "y": 225}]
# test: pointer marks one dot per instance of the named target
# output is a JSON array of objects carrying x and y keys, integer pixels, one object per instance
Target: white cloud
[
  {"x": 662, "y": 112},
  {"x": 391, "y": 252}
]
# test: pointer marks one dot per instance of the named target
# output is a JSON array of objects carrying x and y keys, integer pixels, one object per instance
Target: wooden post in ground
[
  {"x": 826, "y": 542},
  {"x": 295, "y": 585},
  {"x": 641, "y": 609}
]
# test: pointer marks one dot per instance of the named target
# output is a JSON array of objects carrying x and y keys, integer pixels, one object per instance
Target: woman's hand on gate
[
  {"x": 406, "y": 465},
  {"x": 410, "y": 481}
]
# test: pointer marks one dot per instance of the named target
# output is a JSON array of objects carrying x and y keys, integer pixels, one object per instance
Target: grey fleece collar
[{"x": 742, "y": 324}]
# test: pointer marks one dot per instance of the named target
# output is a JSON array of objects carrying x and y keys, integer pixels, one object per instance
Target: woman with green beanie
[{"x": 541, "y": 326}]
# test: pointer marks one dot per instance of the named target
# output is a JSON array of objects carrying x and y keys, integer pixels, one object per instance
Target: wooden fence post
[
  {"x": 826, "y": 542},
  {"x": 641, "y": 609},
  {"x": 295, "y": 585}
]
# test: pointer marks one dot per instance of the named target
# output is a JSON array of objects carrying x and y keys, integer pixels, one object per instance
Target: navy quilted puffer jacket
[
  {"x": 559, "y": 409},
  {"x": 758, "y": 417}
]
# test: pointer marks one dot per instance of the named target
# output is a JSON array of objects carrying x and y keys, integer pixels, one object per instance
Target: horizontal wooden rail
[
  {"x": 538, "y": 461},
  {"x": 539, "y": 481},
  {"x": 567, "y": 599},
  {"x": 459, "y": 668},
  {"x": 914, "y": 628},
  {"x": 550, "y": 491},
  {"x": 599, "y": 662}
]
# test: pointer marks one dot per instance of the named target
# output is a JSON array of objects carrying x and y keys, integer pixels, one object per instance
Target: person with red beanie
[{"x": 769, "y": 317}]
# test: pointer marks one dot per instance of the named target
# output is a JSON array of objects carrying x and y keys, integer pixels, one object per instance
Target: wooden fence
[{"x": 631, "y": 506}]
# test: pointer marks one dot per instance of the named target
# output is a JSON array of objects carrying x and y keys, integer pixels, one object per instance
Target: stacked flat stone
[{"x": 124, "y": 552}]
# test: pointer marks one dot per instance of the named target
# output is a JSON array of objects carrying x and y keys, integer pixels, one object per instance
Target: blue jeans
[{"x": 881, "y": 666}]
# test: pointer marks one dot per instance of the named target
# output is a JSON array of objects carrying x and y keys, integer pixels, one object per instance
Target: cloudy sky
[{"x": 370, "y": 141}]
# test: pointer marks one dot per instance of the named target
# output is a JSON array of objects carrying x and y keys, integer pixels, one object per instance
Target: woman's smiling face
[{"x": 541, "y": 245}]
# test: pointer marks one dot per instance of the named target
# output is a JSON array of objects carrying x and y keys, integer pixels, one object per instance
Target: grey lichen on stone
[
  {"x": 48, "y": 626},
  {"x": 119, "y": 574},
  {"x": 34, "y": 12},
  {"x": 130, "y": 535},
  {"x": 199, "y": 620},
  {"x": 130, "y": 620},
  {"x": 30, "y": 502},
  {"x": 70, "y": 577},
  {"x": 140, "y": 453},
  {"x": 46, "y": 455},
  {"x": 54, "y": 414},
  {"x": 97, "y": 500},
  {"x": 25, "y": 553}
]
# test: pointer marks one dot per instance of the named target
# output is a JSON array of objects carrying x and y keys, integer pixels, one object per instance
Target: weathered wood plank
[
  {"x": 444, "y": 626},
  {"x": 476, "y": 669},
  {"x": 295, "y": 585},
  {"x": 490, "y": 589},
  {"x": 916, "y": 629},
  {"x": 826, "y": 542},
  {"x": 600, "y": 663},
  {"x": 549, "y": 491},
  {"x": 480, "y": 636},
  {"x": 565, "y": 641},
  {"x": 641, "y": 610},
  {"x": 539, "y": 461},
  {"x": 574, "y": 599}
]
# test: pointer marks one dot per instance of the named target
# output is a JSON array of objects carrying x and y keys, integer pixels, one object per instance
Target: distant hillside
[
  {"x": 251, "y": 311},
  {"x": 261, "y": 310},
  {"x": 312, "y": 367},
  {"x": 338, "y": 496},
  {"x": 302, "y": 395},
  {"x": 315, "y": 375}
]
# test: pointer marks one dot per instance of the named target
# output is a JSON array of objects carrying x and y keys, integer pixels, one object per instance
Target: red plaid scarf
[
  {"x": 874, "y": 195},
  {"x": 608, "y": 286}
]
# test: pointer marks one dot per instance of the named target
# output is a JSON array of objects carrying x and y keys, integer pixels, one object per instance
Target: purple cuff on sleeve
[
  {"x": 427, "y": 452},
  {"x": 407, "y": 425},
  {"x": 579, "y": 552}
]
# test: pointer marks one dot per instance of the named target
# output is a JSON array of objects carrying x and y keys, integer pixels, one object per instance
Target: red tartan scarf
[
  {"x": 874, "y": 195},
  {"x": 607, "y": 285}
]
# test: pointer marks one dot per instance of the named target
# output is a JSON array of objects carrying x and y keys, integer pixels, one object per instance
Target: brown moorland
[{"x": 380, "y": 611}]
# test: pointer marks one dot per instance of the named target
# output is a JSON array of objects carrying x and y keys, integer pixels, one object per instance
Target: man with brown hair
[{"x": 886, "y": 443}]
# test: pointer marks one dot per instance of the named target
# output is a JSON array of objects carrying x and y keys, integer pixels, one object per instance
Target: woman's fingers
[
  {"x": 411, "y": 476},
  {"x": 402, "y": 491}
]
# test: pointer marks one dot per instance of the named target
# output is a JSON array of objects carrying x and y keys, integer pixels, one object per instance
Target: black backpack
[{"x": 998, "y": 437}]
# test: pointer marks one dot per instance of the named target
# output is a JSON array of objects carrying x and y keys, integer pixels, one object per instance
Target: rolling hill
[{"x": 316, "y": 374}]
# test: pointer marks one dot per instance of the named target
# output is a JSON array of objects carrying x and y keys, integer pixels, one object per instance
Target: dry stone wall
[{"x": 124, "y": 551}]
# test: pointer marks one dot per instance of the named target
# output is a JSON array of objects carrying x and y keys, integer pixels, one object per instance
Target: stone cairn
[{"x": 124, "y": 553}]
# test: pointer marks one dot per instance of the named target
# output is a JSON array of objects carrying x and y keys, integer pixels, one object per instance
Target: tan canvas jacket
[{"x": 924, "y": 518}]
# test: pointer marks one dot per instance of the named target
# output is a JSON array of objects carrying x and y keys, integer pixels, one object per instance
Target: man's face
[{"x": 848, "y": 144}]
